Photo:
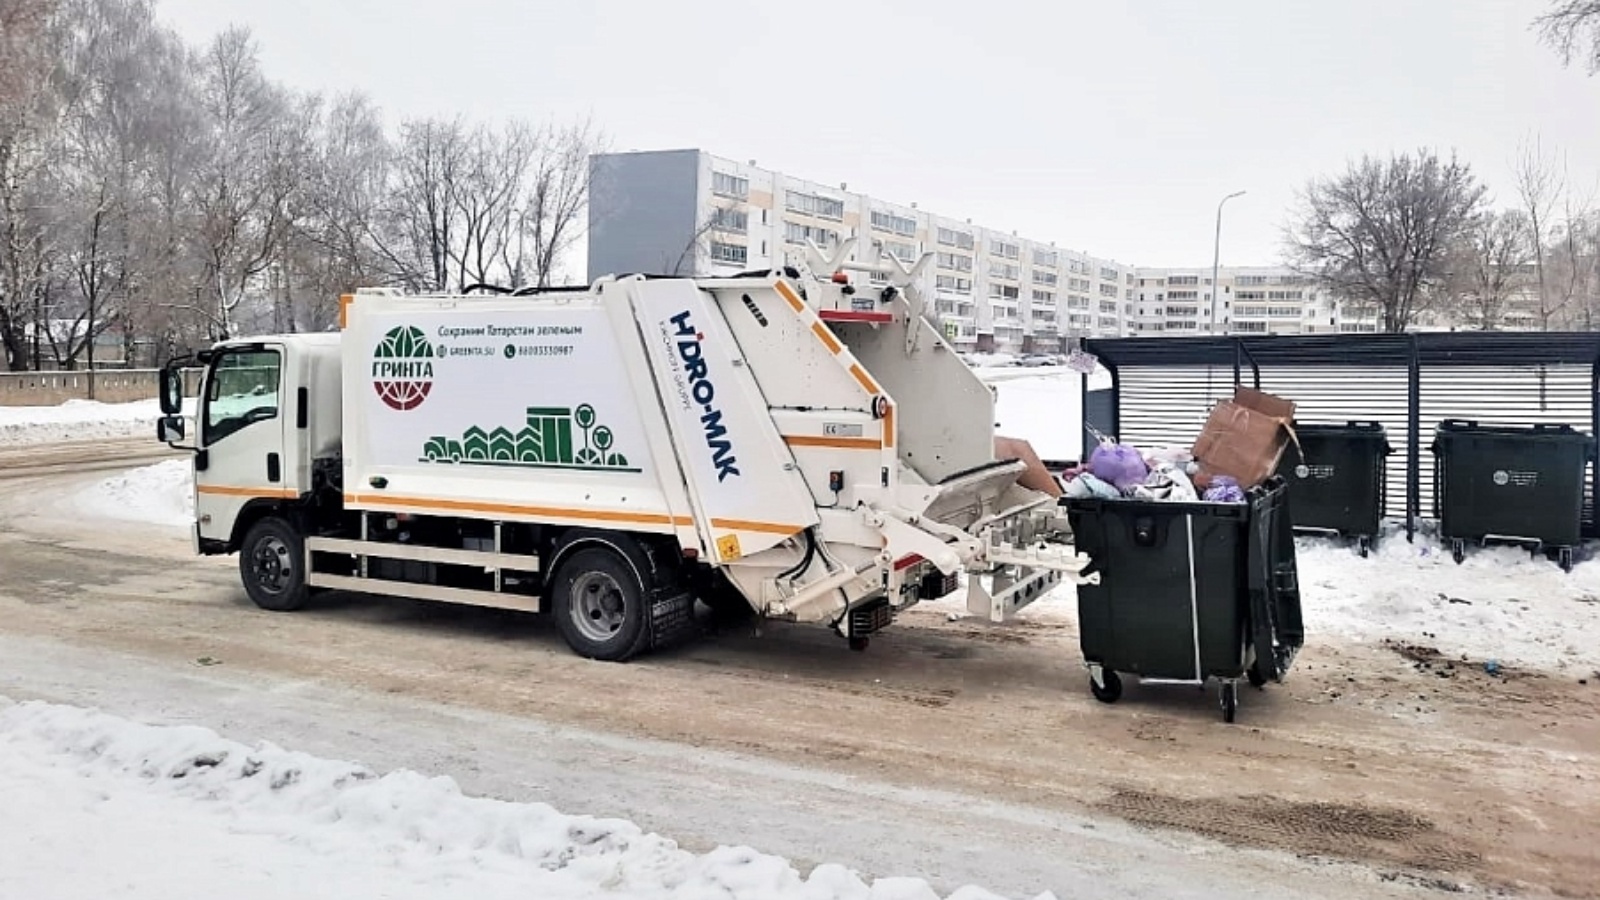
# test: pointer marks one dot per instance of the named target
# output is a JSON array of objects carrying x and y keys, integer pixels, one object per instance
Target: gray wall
[{"x": 642, "y": 212}]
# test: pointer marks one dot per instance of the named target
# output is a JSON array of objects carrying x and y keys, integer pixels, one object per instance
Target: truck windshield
[{"x": 243, "y": 389}]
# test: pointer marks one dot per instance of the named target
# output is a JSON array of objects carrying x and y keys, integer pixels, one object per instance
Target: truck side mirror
[
  {"x": 172, "y": 393},
  {"x": 169, "y": 428}
]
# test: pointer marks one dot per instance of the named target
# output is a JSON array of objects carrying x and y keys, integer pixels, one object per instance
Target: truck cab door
[{"x": 240, "y": 433}]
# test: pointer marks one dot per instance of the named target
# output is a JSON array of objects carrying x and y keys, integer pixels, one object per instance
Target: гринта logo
[{"x": 402, "y": 368}]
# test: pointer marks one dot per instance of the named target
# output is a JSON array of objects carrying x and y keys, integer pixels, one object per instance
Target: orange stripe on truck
[
  {"x": 827, "y": 338},
  {"x": 888, "y": 425},
  {"x": 763, "y": 527},
  {"x": 863, "y": 379},
  {"x": 788, "y": 294},
  {"x": 550, "y": 512},
  {"x": 834, "y": 443},
  {"x": 228, "y": 490}
]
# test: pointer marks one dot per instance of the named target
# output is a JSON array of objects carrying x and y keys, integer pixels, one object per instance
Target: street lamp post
[{"x": 1216, "y": 259}]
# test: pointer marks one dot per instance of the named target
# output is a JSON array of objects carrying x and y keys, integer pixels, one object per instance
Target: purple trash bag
[
  {"x": 1118, "y": 465},
  {"x": 1224, "y": 489}
]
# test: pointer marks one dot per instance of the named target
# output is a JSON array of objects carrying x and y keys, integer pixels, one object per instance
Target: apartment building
[
  {"x": 1246, "y": 300},
  {"x": 687, "y": 212}
]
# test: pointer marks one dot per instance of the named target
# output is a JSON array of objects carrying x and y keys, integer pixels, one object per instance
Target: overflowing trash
[{"x": 1240, "y": 447}]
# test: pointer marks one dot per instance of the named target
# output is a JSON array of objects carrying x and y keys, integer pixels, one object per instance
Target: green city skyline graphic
[{"x": 546, "y": 442}]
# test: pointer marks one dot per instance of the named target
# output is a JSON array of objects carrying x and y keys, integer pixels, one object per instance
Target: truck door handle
[{"x": 273, "y": 468}]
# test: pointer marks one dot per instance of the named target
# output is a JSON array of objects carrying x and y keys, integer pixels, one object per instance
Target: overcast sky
[{"x": 1110, "y": 127}]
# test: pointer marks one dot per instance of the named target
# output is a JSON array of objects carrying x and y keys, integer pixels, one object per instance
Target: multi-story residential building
[
  {"x": 686, "y": 212},
  {"x": 1246, "y": 300}
]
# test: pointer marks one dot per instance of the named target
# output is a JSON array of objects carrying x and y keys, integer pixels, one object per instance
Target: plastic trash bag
[{"x": 1118, "y": 465}]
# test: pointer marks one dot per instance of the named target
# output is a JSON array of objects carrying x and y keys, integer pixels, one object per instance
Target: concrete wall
[{"x": 107, "y": 386}]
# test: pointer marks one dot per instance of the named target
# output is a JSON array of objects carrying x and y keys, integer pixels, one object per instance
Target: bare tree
[
  {"x": 1572, "y": 27},
  {"x": 553, "y": 209},
  {"x": 1489, "y": 266},
  {"x": 1378, "y": 234},
  {"x": 241, "y": 202}
]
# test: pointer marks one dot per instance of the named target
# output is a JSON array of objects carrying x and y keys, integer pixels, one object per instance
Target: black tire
[
  {"x": 272, "y": 565},
  {"x": 600, "y": 606},
  {"x": 1253, "y": 674},
  {"x": 1458, "y": 551},
  {"x": 1111, "y": 692},
  {"x": 1230, "y": 700},
  {"x": 860, "y": 644},
  {"x": 1364, "y": 546},
  {"x": 1564, "y": 558}
]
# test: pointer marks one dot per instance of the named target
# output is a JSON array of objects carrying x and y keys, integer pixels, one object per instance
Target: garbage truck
[{"x": 800, "y": 444}]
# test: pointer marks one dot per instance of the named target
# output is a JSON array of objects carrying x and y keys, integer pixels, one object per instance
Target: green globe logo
[{"x": 402, "y": 368}]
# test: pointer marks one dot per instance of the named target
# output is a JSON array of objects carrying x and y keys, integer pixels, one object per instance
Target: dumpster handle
[{"x": 1194, "y": 600}]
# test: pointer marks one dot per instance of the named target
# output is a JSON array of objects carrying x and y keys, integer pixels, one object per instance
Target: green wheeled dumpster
[
  {"x": 1337, "y": 479},
  {"x": 1189, "y": 592},
  {"x": 1507, "y": 484}
]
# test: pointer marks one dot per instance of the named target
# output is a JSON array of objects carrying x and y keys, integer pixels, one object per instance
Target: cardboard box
[
  {"x": 1035, "y": 476},
  {"x": 1244, "y": 438}
]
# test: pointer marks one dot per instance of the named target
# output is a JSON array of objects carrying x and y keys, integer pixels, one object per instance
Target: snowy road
[{"x": 947, "y": 752}]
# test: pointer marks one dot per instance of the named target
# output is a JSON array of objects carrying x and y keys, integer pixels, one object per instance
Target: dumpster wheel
[
  {"x": 1106, "y": 685},
  {"x": 1230, "y": 700}
]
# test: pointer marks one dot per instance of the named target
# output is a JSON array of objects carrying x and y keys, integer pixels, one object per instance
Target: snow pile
[
  {"x": 93, "y": 791},
  {"x": 77, "y": 420},
  {"x": 161, "y": 494},
  {"x": 1501, "y": 603}
]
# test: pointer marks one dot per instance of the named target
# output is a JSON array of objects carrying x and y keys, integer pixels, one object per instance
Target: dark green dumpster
[
  {"x": 1188, "y": 592},
  {"x": 1522, "y": 485},
  {"x": 1336, "y": 481}
]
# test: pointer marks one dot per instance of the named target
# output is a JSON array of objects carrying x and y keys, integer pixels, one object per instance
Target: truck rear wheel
[
  {"x": 600, "y": 606},
  {"x": 272, "y": 565}
]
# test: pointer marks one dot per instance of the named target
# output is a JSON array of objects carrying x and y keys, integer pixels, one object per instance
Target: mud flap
[{"x": 671, "y": 617}]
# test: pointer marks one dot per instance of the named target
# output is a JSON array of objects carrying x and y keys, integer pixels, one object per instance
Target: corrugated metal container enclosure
[{"x": 1163, "y": 389}]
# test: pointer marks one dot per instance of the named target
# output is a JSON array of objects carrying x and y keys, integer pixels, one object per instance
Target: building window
[
  {"x": 795, "y": 233},
  {"x": 814, "y": 205},
  {"x": 1183, "y": 280},
  {"x": 1182, "y": 295},
  {"x": 1003, "y": 292},
  {"x": 1004, "y": 249},
  {"x": 953, "y": 283},
  {"x": 1250, "y": 281},
  {"x": 955, "y": 261},
  {"x": 725, "y": 185},
  {"x": 906, "y": 253},
  {"x": 888, "y": 221},
  {"x": 952, "y": 238},
  {"x": 735, "y": 220},
  {"x": 1109, "y": 274},
  {"x": 1043, "y": 296},
  {"x": 1108, "y": 290},
  {"x": 729, "y": 253},
  {"x": 1042, "y": 277},
  {"x": 1005, "y": 270},
  {"x": 1046, "y": 258},
  {"x": 1250, "y": 326}
]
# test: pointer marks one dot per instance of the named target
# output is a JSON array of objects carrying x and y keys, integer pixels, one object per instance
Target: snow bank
[
  {"x": 255, "y": 820},
  {"x": 1500, "y": 603},
  {"x": 161, "y": 494},
  {"x": 77, "y": 420}
]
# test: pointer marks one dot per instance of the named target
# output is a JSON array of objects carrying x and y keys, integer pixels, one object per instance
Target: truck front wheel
[
  {"x": 272, "y": 565},
  {"x": 599, "y": 606}
]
